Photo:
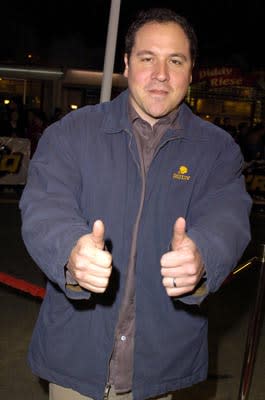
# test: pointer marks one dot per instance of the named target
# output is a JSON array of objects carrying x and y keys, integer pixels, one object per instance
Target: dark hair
[{"x": 160, "y": 15}]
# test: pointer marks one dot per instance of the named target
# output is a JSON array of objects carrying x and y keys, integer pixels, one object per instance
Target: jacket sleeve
[
  {"x": 51, "y": 218},
  {"x": 219, "y": 220}
]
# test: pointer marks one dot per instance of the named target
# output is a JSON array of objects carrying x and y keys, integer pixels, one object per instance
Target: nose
[{"x": 160, "y": 71}]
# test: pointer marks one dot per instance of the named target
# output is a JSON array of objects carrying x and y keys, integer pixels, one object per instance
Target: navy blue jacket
[{"x": 86, "y": 167}]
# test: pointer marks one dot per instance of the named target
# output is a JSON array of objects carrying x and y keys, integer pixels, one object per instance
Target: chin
[{"x": 160, "y": 114}]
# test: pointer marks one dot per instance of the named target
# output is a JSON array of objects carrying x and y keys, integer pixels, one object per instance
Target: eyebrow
[{"x": 151, "y": 53}]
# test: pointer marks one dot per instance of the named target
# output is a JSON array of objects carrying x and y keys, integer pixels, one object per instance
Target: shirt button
[{"x": 123, "y": 338}]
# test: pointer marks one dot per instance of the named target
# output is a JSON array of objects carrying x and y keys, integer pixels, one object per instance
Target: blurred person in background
[
  {"x": 254, "y": 148},
  {"x": 57, "y": 114},
  {"x": 229, "y": 127},
  {"x": 13, "y": 126},
  {"x": 36, "y": 124}
]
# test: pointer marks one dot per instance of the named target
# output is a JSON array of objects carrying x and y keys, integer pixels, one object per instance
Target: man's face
[{"x": 159, "y": 70}]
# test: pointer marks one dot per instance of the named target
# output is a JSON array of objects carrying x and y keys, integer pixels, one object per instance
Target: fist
[
  {"x": 89, "y": 263},
  {"x": 182, "y": 267}
]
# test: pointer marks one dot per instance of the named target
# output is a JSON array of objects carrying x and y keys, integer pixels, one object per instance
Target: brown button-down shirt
[{"x": 121, "y": 365}]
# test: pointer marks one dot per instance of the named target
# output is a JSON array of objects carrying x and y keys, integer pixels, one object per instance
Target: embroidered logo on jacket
[{"x": 181, "y": 174}]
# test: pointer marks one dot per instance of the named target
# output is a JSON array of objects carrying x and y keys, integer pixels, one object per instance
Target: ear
[{"x": 126, "y": 64}]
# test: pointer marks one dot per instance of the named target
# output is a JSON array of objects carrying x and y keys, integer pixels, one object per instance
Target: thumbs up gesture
[
  {"x": 89, "y": 263},
  {"x": 182, "y": 267}
]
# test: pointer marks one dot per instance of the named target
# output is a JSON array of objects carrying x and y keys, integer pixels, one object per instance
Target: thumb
[
  {"x": 97, "y": 234},
  {"x": 179, "y": 233}
]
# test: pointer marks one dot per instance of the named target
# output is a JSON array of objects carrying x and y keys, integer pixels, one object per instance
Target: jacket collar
[{"x": 117, "y": 119}]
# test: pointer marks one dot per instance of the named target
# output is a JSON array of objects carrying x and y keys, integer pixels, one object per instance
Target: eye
[
  {"x": 146, "y": 59},
  {"x": 176, "y": 61}
]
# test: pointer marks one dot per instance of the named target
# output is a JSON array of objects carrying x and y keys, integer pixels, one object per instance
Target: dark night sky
[{"x": 63, "y": 33}]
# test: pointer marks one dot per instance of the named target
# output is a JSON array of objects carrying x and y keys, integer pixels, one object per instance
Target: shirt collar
[{"x": 170, "y": 119}]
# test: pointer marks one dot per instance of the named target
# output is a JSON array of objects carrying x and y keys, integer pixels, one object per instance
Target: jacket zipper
[
  {"x": 141, "y": 169},
  {"x": 142, "y": 172},
  {"x": 106, "y": 391}
]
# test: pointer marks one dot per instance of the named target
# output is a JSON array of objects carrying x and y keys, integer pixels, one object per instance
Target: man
[{"x": 135, "y": 209}]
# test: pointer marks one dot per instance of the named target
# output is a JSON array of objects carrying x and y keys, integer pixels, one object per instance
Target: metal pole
[
  {"x": 105, "y": 94},
  {"x": 253, "y": 331},
  {"x": 24, "y": 91}
]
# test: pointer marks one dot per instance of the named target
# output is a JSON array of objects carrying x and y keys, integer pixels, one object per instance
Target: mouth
[{"x": 158, "y": 92}]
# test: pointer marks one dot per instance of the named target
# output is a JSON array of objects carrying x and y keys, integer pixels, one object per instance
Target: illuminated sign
[
  {"x": 14, "y": 160},
  {"x": 10, "y": 163},
  {"x": 221, "y": 77}
]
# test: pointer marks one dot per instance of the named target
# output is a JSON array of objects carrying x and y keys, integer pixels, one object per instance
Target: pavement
[{"x": 230, "y": 311}]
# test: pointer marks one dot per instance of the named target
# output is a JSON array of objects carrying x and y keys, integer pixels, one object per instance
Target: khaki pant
[{"x": 60, "y": 393}]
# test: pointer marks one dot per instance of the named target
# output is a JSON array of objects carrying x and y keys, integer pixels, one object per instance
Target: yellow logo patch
[{"x": 181, "y": 174}]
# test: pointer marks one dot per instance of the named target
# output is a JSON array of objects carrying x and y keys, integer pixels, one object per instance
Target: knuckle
[
  {"x": 98, "y": 290},
  {"x": 164, "y": 282},
  {"x": 106, "y": 283},
  {"x": 109, "y": 270},
  {"x": 192, "y": 270},
  {"x": 193, "y": 280},
  {"x": 78, "y": 274},
  {"x": 108, "y": 259},
  {"x": 78, "y": 263}
]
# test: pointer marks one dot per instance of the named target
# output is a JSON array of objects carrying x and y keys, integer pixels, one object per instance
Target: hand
[
  {"x": 89, "y": 264},
  {"x": 183, "y": 265}
]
